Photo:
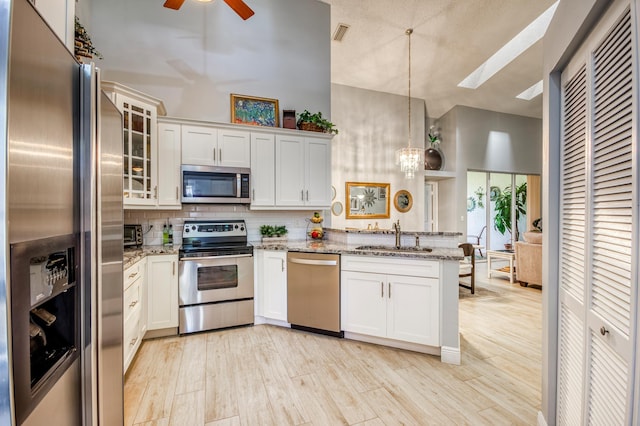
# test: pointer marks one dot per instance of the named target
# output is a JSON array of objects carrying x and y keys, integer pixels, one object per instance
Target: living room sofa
[{"x": 529, "y": 259}]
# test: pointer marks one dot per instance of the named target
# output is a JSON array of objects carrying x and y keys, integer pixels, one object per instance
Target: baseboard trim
[
  {"x": 541, "y": 419},
  {"x": 259, "y": 320},
  {"x": 450, "y": 355},
  {"x": 416, "y": 347}
]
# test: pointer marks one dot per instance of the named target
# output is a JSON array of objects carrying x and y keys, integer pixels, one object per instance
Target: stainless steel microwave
[{"x": 207, "y": 184}]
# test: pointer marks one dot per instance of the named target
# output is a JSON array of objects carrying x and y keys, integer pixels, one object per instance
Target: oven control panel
[{"x": 200, "y": 229}]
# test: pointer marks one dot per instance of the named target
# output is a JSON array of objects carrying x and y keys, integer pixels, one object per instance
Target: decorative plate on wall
[
  {"x": 336, "y": 208},
  {"x": 403, "y": 201}
]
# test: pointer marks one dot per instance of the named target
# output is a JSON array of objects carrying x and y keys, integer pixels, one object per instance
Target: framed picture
[
  {"x": 254, "y": 111},
  {"x": 367, "y": 200}
]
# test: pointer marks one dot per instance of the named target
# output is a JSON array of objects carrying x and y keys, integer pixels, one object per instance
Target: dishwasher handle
[{"x": 314, "y": 262}]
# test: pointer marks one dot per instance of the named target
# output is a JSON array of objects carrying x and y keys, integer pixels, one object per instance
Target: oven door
[{"x": 215, "y": 279}]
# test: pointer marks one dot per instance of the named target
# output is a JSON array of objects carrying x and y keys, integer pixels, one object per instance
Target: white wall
[
  {"x": 481, "y": 140},
  {"x": 373, "y": 125},
  {"x": 194, "y": 58}
]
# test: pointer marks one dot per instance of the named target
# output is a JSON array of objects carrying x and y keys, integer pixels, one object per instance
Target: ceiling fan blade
[
  {"x": 173, "y": 4},
  {"x": 240, "y": 7}
]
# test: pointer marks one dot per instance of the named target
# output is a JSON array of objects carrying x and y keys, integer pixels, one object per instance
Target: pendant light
[{"x": 409, "y": 158}]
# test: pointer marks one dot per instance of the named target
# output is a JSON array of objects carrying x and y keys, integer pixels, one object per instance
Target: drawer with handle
[
  {"x": 134, "y": 272},
  {"x": 132, "y": 300}
]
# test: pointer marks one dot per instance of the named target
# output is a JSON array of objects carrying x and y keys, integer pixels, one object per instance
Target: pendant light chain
[
  {"x": 409, "y": 159},
  {"x": 409, "y": 32}
]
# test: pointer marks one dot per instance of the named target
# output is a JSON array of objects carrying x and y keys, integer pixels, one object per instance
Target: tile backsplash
[{"x": 152, "y": 221}]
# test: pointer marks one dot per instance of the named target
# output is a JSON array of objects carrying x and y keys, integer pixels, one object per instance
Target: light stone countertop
[
  {"x": 392, "y": 231},
  {"x": 332, "y": 247},
  {"x": 132, "y": 255}
]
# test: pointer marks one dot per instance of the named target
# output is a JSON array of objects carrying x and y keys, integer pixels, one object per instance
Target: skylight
[
  {"x": 507, "y": 53},
  {"x": 531, "y": 92}
]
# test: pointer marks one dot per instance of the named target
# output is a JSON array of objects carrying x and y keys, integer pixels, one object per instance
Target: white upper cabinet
[
  {"x": 210, "y": 146},
  {"x": 303, "y": 172},
  {"x": 263, "y": 170},
  {"x": 168, "y": 165},
  {"x": 318, "y": 172},
  {"x": 140, "y": 144},
  {"x": 290, "y": 179},
  {"x": 234, "y": 148},
  {"x": 200, "y": 145}
]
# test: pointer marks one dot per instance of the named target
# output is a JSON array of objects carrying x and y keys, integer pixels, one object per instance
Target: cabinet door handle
[
  {"x": 214, "y": 154},
  {"x": 253, "y": 196},
  {"x": 381, "y": 289},
  {"x": 389, "y": 290},
  {"x": 603, "y": 330},
  {"x": 155, "y": 192},
  {"x": 132, "y": 304},
  {"x": 302, "y": 194},
  {"x": 173, "y": 268},
  {"x": 177, "y": 190},
  {"x": 133, "y": 341},
  {"x": 307, "y": 195},
  {"x": 220, "y": 160},
  {"x": 133, "y": 275},
  {"x": 282, "y": 260}
]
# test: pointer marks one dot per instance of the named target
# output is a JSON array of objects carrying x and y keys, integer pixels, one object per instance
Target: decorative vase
[{"x": 433, "y": 158}]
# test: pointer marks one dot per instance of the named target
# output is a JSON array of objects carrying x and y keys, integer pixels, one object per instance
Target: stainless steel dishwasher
[{"x": 313, "y": 292}]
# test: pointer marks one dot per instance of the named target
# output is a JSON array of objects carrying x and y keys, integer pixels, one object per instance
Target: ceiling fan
[{"x": 238, "y": 6}]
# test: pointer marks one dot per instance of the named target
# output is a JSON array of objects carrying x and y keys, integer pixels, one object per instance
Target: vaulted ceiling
[{"x": 451, "y": 39}]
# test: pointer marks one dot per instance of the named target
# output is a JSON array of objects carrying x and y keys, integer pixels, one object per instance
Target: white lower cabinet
[
  {"x": 272, "y": 284},
  {"x": 162, "y": 291},
  {"x": 391, "y": 298},
  {"x": 133, "y": 310}
]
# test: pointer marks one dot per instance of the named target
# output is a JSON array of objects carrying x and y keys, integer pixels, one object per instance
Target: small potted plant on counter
[
  {"x": 315, "y": 123},
  {"x": 273, "y": 234}
]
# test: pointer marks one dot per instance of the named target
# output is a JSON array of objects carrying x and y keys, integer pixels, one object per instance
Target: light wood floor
[{"x": 276, "y": 376}]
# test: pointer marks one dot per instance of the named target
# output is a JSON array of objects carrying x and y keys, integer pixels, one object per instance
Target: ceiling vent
[{"x": 338, "y": 35}]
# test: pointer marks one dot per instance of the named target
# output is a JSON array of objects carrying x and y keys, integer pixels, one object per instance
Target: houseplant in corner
[
  {"x": 502, "y": 208},
  {"x": 315, "y": 123},
  {"x": 273, "y": 234}
]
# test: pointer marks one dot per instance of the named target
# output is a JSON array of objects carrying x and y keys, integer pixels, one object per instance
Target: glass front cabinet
[{"x": 140, "y": 143}]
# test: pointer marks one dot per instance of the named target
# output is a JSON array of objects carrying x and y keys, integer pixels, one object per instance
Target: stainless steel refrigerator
[{"x": 61, "y": 280}]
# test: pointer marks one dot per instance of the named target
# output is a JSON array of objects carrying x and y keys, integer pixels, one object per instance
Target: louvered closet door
[
  {"x": 598, "y": 222},
  {"x": 572, "y": 250}
]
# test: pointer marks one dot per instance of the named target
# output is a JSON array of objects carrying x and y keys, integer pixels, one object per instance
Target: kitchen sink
[{"x": 395, "y": 249}]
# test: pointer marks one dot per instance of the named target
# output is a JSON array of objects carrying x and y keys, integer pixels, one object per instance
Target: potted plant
[
  {"x": 502, "y": 207},
  {"x": 273, "y": 234},
  {"x": 315, "y": 123}
]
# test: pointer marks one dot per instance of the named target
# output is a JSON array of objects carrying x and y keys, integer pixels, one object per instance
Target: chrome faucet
[{"x": 396, "y": 227}]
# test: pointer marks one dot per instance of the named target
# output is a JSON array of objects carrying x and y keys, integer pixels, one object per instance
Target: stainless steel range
[{"x": 216, "y": 276}]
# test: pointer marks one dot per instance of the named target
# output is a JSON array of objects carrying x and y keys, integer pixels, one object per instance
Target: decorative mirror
[
  {"x": 336, "y": 208},
  {"x": 403, "y": 201},
  {"x": 367, "y": 200}
]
